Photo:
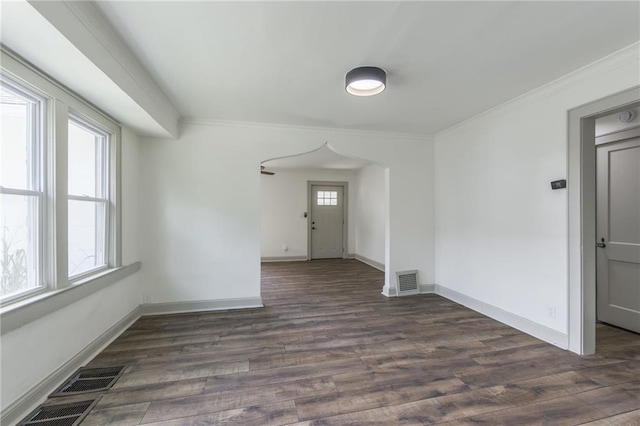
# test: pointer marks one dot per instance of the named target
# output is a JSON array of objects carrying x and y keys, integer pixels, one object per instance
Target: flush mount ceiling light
[{"x": 365, "y": 81}]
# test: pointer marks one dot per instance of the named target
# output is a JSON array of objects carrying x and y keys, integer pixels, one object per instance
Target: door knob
[
  {"x": 601, "y": 244},
  {"x": 313, "y": 227}
]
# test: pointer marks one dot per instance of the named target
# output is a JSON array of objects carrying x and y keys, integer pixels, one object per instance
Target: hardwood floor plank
[
  {"x": 613, "y": 400},
  {"x": 188, "y": 358},
  {"x": 236, "y": 398},
  {"x": 136, "y": 344},
  {"x": 375, "y": 397},
  {"x": 281, "y": 413},
  {"x": 453, "y": 349},
  {"x": 631, "y": 418},
  {"x": 172, "y": 374},
  {"x": 423, "y": 412},
  {"x": 613, "y": 374},
  {"x": 561, "y": 412},
  {"x": 519, "y": 354},
  {"x": 121, "y": 415},
  {"x": 297, "y": 358},
  {"x": 152, "y": 392},
  {"x": 484, "y": 377},
  {"x": 282, "y": 375}
]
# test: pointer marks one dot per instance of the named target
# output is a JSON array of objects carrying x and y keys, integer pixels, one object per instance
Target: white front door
[
  {"x": 327, "y": 222},
  {"x": 618, "y": 234}
]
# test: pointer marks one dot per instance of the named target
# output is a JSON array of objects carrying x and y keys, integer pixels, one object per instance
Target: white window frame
[
  {"x": 105, "y": 170},
  {"x": 323, "y": 199},
  {"x": 38, "y": 190},
  {"x": 60, "y": 103}
]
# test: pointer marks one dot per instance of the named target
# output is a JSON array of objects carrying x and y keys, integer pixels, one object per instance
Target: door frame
[
  {"x": 581, "y": 157},
  {"x": 345, "y": 214}
]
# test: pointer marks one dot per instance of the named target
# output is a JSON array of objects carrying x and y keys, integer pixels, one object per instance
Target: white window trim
[
  {"x": 39, "y": 156},
  {"x": 108, "y": 247},
  {"x": 60, "y": 103},
  {"x": 25, "y": 311}
]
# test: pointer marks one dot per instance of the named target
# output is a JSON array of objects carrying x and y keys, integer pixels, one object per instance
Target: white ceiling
[
  {"x": 321, "y": 158},
  {"x": 284, "y": 62}
]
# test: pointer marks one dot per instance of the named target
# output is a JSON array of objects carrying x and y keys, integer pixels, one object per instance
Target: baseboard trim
[
  {"x": 389, "y": 291},
  {"x": 283, "y": 259},
  {"x": 427, "y": 288},
  {"x": 374, "y": 264},
  {"x": 27, "y": 402},
  {"x": 525, "y": 325},
  {"x": 201, "y": 306}
]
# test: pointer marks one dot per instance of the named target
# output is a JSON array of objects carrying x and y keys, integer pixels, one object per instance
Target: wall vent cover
[
  {"x": 407, "y": 283},
  {"x": 69, "y": 414},
  {"x": 90, "y": 380}
]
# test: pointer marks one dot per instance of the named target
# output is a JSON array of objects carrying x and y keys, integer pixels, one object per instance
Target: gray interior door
[
  {"x": 327, "y": 222},
  {"x": 618, "y": 233}
]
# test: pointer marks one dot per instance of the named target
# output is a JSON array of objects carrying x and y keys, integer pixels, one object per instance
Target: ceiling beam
[{"x": 84, "y": 25}]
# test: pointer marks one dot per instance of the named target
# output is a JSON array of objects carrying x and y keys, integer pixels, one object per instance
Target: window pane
[
  {"x": 87, "y": 236},
  {"x": 20, "y": 257},
  {"x": 86, "y": 152},
  {"x": 18, "y": 118},
  {"x": 334, "y": 202}
]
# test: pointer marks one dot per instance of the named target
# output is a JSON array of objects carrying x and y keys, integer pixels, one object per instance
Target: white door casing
[
  {"x": 327, "y": 221},
  {"x": 618, "y": 234}
]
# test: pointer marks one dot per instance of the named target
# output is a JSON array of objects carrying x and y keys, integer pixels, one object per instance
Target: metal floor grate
[
  {"x": 90, "y": 380},
  {"x": 69, "y": 414},
  {"x": 407, "y": 283}
]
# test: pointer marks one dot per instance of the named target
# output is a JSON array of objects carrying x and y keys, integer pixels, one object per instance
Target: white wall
[
  {"x": 35, "y": 350},
  {"x": 371, "y": 214},
  {"x": 130, "y": 200},
  {"x": 201, "y": 204},
  {"x": 501, "y": 232},
  {"x": 283, "y": 203}
]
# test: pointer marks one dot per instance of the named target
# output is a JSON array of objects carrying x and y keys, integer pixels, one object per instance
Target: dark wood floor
[{"x": 328, "y": 349}]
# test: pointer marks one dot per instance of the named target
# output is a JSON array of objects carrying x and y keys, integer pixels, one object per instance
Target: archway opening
[{"x": 321, "y": 205}]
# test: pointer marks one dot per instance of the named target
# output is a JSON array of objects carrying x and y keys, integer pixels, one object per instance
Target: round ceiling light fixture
[{"x": 366, "y": 81}]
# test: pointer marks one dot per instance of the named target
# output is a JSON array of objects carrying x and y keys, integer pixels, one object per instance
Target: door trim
[
  {"x": 345, "y": 214},
  {"x": 581, "y": 157},
  {"x": 618, "y": 136}
]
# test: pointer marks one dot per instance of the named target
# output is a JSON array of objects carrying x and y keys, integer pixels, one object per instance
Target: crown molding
[{"x": 625, "y": 56}]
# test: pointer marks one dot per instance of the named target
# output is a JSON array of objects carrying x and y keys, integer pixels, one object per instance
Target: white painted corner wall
[
  {"x": 371, "y": 216},
  {"x": 501, "y": 232},
  {"x": 283, "y": 202},
  {"x": 35, "y": 351}
]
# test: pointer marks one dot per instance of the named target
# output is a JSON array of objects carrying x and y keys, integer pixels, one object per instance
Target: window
[
  {"x": 88, "y": 197},
  {"x": 21, "y": 191},
  {"x": 59, "y": 209},
  {"x": 327, "y": 198}
]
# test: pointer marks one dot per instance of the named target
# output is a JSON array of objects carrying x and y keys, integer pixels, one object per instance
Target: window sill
[{"x": 25, "y": 311}]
